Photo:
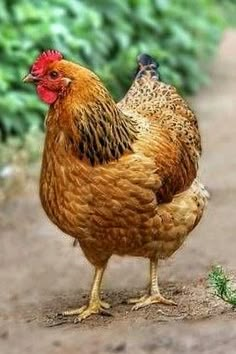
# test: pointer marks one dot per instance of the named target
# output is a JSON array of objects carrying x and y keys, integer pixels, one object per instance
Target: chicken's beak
[{"x": 30, "y": 79}]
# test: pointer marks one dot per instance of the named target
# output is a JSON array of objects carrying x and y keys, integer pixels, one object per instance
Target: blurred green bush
[
  {"x": 105, "y": 36},
  {"x": 228, "y": 10}
]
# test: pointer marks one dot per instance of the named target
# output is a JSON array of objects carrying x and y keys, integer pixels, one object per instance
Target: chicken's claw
[
  {"x": 148, "y": 300},
  {"x": 83, "y": 312},
  {"x": 98, "y": 307},
  {"x": 137, "y": 300}
]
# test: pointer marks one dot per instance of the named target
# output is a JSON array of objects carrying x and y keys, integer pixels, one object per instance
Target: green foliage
[
  {"x": 228, "y": 9},
  {"x": 222, "y": 285},
  {"x": 106, "y": 36},
  {"x": 21, "y": 150}
]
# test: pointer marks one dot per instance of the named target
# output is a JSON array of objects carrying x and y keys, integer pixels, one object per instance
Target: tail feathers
[{"x": 146, "y": 64}]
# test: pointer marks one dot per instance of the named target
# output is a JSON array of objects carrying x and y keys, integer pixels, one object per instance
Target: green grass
[{"x": 222, "y": 285}]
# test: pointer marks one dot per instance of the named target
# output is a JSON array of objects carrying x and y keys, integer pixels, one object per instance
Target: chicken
[{"x": 119, "y": 178}]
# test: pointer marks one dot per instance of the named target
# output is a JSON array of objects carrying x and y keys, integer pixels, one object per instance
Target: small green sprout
[{"x": 222, "y": 285}]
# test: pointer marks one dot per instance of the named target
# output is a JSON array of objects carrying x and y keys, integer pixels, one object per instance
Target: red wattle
[{"x": 45, "y": 95}]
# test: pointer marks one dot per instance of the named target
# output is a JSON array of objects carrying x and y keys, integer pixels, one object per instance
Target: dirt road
[{"x": 40, "y": 272}]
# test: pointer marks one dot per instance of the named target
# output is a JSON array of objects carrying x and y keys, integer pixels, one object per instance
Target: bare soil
[{"x": 41, "y": 273}]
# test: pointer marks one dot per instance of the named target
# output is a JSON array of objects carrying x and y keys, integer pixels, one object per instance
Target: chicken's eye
[{"x": 53, "y": 74}]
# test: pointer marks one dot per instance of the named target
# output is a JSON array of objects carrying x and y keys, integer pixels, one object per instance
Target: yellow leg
[
  {"x": 154, "y": 296},
  {"x": 96, "y": 305}
]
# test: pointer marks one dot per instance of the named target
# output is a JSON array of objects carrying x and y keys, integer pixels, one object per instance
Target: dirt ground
[{"x": 41, "y": 274}]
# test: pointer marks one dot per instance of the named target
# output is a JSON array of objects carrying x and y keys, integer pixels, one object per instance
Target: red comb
[{"x": 44, "y": 59}]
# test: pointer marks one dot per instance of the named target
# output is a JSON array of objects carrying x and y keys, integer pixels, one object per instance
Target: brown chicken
[{"x": 119, "y": 178}]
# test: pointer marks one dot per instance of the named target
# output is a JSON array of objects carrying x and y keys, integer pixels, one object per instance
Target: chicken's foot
[
  {"x": 154, "y": 296},
  {"x": 96, "y": 305}
]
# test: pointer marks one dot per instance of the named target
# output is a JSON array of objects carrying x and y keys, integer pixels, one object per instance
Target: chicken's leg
[
  {"x": 154, "y": 296},
  {"x": 96, "y": 305}
]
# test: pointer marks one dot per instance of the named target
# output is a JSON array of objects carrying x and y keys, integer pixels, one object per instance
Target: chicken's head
[{"x": 49, "y": 78}]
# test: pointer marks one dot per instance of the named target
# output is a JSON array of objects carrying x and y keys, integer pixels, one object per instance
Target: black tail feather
[{"x": 147, "y": 63}]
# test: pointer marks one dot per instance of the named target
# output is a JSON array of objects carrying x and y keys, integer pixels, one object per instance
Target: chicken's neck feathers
[
  {"x": 98, "y": 131},
  {"x": 105, "y": 133}
]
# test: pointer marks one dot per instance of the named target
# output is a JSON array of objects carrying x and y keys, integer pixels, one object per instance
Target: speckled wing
[{"x": 173, "y": 124}]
